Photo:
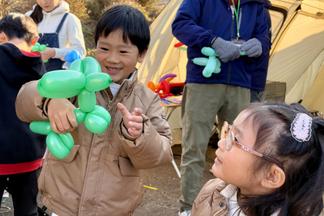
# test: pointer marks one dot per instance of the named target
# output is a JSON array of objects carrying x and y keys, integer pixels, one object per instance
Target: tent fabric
[{"x": 297, "y": 54}]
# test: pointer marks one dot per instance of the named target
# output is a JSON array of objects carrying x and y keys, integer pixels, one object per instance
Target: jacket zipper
[
  {"x": 85, "y": 177},
  {"x": 229, "y": 70}
]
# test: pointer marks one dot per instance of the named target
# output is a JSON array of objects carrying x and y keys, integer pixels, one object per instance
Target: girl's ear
[
  {"x": 274, "y": 178},
  {"x": 3, "y": 37}
]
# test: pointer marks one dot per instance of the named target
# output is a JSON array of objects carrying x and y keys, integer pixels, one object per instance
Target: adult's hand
[
  {"x": 226, "y": 50},
  {"x": 252, "y": 47}
]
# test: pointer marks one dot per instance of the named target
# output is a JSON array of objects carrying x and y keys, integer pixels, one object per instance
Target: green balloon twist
[
  {"x": 39, "y": 48},
  {"x": 83, "y": 79}
]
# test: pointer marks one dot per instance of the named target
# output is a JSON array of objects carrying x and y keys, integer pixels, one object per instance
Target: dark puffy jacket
[{"x": 17, "y": 143}]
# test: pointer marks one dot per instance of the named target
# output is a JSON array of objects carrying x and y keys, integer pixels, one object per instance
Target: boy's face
[{"x": 117, "y": 58}]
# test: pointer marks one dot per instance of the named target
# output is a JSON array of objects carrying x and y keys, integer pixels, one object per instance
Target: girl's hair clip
[{"x": 301, "y": 127}]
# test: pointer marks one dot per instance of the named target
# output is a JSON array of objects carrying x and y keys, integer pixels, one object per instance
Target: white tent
[{"x": 297, "y": 54}]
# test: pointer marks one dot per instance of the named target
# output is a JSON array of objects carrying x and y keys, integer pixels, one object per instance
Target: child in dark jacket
[{"x": 20, "y": 150}]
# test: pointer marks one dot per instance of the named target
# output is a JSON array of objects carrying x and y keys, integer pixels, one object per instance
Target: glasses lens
[
  {"x": 229, "y": 140},
  {"x": 225, "y": 134},
  {"x": 224, "y": 130}
]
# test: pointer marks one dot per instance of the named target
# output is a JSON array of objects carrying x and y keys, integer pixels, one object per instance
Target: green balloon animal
[
  {"x": 83, "y": 79},
  {"x": 212, "y": 64}
]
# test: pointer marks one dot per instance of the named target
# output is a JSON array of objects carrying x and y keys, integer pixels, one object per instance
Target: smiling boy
[{"x": 101, "y": 174}]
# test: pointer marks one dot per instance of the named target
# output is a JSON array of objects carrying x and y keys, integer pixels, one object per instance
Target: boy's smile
[{"x": 117, "y": 57}]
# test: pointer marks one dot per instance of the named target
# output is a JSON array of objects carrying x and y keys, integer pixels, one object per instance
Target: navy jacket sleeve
[
  {"x": 263, "y": 29},
  {"x": 185, "y": 26}
]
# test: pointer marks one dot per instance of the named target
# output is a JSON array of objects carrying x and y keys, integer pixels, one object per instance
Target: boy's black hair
[
  {"x": 130, "y": 20},
  {"x": 16, "y": 25}
]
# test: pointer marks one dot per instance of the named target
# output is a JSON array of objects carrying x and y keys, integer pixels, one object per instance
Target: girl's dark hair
[
  {"x": 130, "y": 20},
  {"x": 303, "y": 162},
  {"x": 16, "y": 25},
  {"x": 37, "y": 14}
]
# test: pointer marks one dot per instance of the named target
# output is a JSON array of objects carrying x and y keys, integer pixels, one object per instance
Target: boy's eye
[
  {"x": 123, "y": 51},
  {"x": 104, "y": 48}
]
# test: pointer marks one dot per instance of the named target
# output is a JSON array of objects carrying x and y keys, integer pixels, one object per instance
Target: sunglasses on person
[{"x": 228, "y": 135}]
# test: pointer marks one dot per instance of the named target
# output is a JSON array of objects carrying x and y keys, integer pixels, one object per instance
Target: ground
[{"x": 164, "y": 201}]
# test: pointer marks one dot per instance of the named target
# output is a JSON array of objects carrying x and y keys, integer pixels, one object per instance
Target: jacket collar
[
  {"x": 114, "y": 87},
  {"x": 247, "y": 1}
]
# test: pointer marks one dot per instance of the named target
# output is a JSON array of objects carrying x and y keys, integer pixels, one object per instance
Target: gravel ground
[{"x": 161, "y": 202}]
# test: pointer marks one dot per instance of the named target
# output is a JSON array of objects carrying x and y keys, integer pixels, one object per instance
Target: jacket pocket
[
  {"x": 69, "y": 158},
  {"x": 126, "y": 168}
]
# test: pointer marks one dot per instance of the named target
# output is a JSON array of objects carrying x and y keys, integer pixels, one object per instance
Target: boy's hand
[
  {"x": 133, "y": 121},
  {"x": 61, "y": 115}
]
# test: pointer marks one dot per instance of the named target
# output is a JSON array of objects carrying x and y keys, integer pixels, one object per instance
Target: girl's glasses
[{"x": 230, "y": 139}]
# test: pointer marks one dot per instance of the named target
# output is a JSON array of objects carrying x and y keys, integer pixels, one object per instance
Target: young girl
[
  {"x": 269, "y": 162},
  {"x": 60, "y": 30},
  {"x": 101, "y": 174},
  {"x": 21, "y": 151}
]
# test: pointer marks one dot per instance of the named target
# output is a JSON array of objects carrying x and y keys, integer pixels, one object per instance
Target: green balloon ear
[{"x": 61, "y": 84}]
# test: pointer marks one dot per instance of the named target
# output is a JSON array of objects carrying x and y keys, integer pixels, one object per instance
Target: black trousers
[{"x": 23, "y": 189}]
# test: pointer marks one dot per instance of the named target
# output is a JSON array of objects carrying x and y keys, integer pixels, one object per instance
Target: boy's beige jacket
[{"x": 101, "y": 175}]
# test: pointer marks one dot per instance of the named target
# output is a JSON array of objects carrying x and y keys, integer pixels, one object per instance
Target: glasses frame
[{"x": 229, "y": 137}]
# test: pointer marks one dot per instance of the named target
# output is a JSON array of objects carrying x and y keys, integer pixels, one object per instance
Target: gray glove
[
  {"x": 226, "y": 50},
  {"x": 252, "y": 47}
]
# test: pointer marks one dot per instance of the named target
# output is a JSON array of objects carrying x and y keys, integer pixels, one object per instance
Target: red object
[
  {"x": 166, "y": 88},
  {"x": 30, "y": 54},
  {"x": 231, "y": 2},
  {"x": 179, "y": 44},
  {"x": 10, "y": 169}
]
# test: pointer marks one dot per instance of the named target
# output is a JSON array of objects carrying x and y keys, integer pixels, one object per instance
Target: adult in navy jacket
[
  {"x": 231, "y": 28},
  {"x": 21, "y": 151}
]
